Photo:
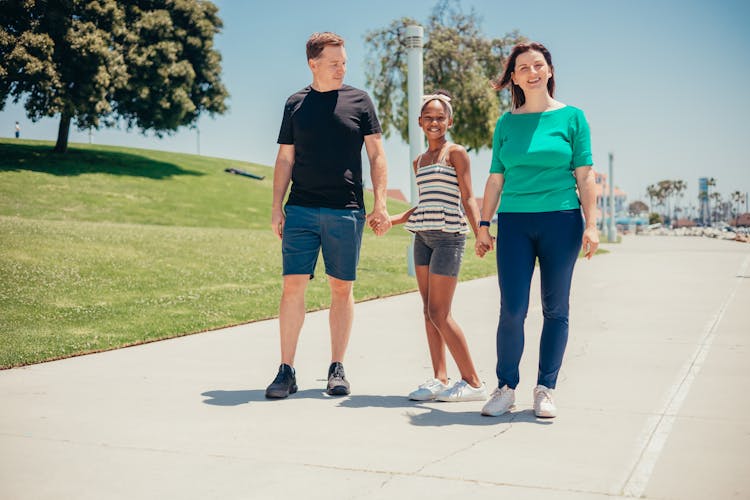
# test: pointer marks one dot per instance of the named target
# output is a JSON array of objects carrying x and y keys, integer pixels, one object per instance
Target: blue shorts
[
  {"x": 337, "y": 232},
  {"x": 441, "y": 251}
]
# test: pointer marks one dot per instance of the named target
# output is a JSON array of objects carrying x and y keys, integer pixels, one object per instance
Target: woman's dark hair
[{"x": 517, "y": 96}]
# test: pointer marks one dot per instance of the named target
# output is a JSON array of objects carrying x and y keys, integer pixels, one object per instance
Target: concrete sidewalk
[{"x": 651, "y": 399}]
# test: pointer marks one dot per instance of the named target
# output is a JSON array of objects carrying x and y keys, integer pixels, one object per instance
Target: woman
[
  {"x": 439, "y": 225},
  {"x": 541, "y": 153}
]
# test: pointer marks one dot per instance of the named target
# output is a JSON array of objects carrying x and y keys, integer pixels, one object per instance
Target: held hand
[
  {"x": 277, "y": 222},
  {"x": 485, "y": 242},
  {"x": 379, "y": 221},
  {"x": 590, "y": 241}
]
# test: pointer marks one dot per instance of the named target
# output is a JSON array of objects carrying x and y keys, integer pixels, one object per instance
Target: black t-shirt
[{"x": 327, "y": 130}]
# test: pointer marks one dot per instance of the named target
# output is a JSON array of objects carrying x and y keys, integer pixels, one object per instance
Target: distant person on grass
[
  {"x": 439, "y": 225},
  {"x": 541, "y": 177},
  {"x": 18, "y": 130},
  {"x": 320, "y": 143}
]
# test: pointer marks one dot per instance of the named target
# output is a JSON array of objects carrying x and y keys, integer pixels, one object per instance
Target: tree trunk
[{"x": 62, "y": 134}]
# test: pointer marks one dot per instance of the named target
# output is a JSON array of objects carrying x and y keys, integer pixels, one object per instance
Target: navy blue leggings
[{"x": 555, "y": 239}]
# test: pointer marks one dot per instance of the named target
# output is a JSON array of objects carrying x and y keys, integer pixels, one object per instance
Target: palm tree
[
  {"x": 716, "y": 197},
  {"x": 653, "y": 193},
  {"x": 737, "y": 197},
  {"x": 666, "y": 188},
  {"x": 678, "y": 187},
  {"x": 710, "y": 183}
]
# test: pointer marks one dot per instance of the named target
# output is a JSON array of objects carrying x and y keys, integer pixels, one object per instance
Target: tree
[
  {"x": 663, "y": 192},
  {"x": 717, "y": 199},
  {"x": 678, "y": 188},
  {"x": 142, "y": 63},
  {"x": 457, "y": 57},
  {"x": 737, "y": 198},
  {"x": 637, "y": 207},
  {"x": 666, "y": 188},
  {"x": 711, "y": 182},
  {"x": 656, "y": 195}
]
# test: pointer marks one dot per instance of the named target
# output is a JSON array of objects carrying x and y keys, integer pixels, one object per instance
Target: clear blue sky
[{"x": 663, "y": 82}]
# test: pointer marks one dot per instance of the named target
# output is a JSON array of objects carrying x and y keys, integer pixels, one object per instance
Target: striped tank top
[{"x": 439, "y": 207}]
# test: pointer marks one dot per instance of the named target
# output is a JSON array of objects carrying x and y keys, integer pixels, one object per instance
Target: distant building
[
  {"x": 742, "y": 220},
  {"x": 602, "y": 197},
  {"x": 684, "y": 222}
]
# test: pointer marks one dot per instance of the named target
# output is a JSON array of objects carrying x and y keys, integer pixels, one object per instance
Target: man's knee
[
  {"x": 295, "y": 284},
  {"x": 340, "y": 288}
]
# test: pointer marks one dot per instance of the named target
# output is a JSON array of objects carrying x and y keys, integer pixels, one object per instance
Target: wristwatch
[{"x": 484, "y": 223}]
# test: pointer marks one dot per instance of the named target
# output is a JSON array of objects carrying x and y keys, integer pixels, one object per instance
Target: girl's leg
[
  {"x": 516, "y": 256},
  {"x": 434, "y": 340},
  {"x": 439, "y": 303},
  {"x": 559, "y": 245}
]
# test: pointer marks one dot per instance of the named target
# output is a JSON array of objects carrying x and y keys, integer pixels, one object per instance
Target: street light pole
[
  {"x": 415, "y": 87},
  {"x": 612, "y": 234}
]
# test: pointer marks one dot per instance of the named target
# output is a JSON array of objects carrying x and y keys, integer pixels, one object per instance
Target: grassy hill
[{"x": 104, "y": 247}]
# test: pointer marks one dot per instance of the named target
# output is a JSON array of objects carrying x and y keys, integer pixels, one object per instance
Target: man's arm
[
  {"x": 378, "y": 219},
  {"x": 282, "y": 175}
]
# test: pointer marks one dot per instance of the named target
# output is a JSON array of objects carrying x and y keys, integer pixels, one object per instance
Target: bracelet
[{"x": 484, "y": 223}]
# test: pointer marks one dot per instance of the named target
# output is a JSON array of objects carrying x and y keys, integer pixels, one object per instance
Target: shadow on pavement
[
  {"x": 236, "y": 398},
  {"x": 440, "y": 418},
  {"x": 233, "y": 398},
  {"x": 436, "y": 417}
]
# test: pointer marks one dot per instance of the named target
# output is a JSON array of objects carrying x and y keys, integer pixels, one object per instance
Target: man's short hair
[{"x": 319, "y": 41}]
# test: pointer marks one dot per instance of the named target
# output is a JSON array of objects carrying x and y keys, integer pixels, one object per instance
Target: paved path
[{"x": 652, "y": 402}]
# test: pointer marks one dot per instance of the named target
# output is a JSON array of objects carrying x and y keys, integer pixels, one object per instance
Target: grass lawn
[{"x": 104, "y": 247}]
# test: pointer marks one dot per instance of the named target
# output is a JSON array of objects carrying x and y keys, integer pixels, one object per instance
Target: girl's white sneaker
[
  {"x": 428, "y": 390},
  {"x": 463, "y": 391}
]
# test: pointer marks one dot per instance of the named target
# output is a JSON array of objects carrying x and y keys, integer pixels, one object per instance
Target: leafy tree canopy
[
  {"x": 457, "y": 58},
  {"x": 637, "y": 207},
  {"x": 150, "y": 64}
]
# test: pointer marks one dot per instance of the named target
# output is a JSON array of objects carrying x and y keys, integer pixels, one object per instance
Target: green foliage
[
  {"x": 637, "y": 207},
  {"x": 457, "y": 58},
  {"x": 150, "y": 64},
  {"x": 665, "y": 193}
]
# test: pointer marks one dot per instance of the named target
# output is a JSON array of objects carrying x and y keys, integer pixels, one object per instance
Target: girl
[{"x": 440, "y": 227}]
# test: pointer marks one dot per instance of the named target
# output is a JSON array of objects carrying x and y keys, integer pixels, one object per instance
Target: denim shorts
[
  {"x": 442, "y": 251},
  {"x": 308, "y": 230}
]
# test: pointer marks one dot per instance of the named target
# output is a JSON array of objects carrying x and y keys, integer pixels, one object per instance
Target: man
[{"x": 320, "y": 147}]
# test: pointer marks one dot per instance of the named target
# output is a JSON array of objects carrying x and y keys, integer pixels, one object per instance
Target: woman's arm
[{"x": 492, "y": 190}]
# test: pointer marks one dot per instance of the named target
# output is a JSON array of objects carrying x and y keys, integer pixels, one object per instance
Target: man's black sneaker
[
  {"x": 337, "y": 383},
  {"x": 284, "y": 384}
]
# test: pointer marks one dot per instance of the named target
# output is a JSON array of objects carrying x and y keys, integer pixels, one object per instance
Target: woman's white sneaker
[
  {"x": 501, "y": 401},
  {"x": 544, "y": 404},
  {"x": 463, "y": 391},
  {"x": 428, "y": 390}
]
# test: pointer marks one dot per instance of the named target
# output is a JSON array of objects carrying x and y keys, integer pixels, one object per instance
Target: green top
[{"x": 537, "y": 153}]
